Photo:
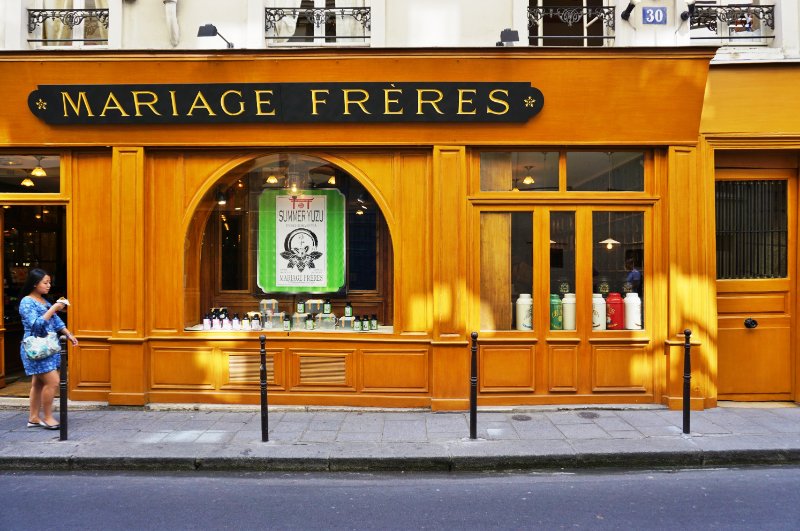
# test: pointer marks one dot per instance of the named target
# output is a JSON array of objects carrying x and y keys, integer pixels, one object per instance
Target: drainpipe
[{"x": 171, "y": 7}]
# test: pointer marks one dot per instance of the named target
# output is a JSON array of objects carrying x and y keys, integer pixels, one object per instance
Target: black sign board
[{"x": 286, "y": 103}]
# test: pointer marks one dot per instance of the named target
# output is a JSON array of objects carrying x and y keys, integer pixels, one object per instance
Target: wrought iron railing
[
  {"x": 733, "y": 21},
  {"x": 317, "y": 17},
  {"x": 71, "y": 18},
  {"x": 571, "y": 16}
]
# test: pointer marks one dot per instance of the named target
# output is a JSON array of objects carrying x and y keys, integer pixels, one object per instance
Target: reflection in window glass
[
  {"x": 605, "y": 171},
  {"x": 520, "y": 171},
  {"x": 506, "y": 270},
  {"x": 618, "y": 267},
  {"x": 562, "y": 271},
  {"x": 30, "y": 174}
]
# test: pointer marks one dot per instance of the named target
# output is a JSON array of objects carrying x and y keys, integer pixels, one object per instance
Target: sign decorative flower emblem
[{"x": 300, "y": 249}]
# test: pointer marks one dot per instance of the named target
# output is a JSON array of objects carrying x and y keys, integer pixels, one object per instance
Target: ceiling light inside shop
[{"x": 27, "y": 182}]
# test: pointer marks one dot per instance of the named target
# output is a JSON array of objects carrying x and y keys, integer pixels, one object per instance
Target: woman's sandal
[
  {"x": 47, "y": 426},
  {"x": 37, "y": 424}
]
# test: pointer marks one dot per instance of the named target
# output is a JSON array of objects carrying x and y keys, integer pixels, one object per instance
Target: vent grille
[
  {"x": 245, "y": 369},
  {"x": 322, "y": 370}
]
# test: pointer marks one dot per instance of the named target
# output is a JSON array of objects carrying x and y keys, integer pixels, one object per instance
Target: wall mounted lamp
[
  {"x": 210, "y": 30},
  {"x": 508, "y": 37},
  {"x": 626, "y": 13},
  {"x": 686, "y": 15}
]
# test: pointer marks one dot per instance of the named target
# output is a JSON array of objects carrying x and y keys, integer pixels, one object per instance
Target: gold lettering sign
[{"x": 275, "y": 103}]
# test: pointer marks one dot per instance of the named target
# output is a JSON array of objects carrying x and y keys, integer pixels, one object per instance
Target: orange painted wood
[{"x": 506, "y": 368}]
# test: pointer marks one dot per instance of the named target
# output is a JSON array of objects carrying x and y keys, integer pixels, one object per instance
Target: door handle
[{"x": 750, "y": 323}]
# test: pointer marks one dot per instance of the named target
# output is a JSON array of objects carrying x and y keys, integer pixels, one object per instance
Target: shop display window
[
  {"x": 618, "y": 271},
  {"x": 562, "y": 271},
  {"x": 289, "y": 236},
  {"x": 30, "y": 174},
  {"x": 593, "y": 262},
  {"x": 611, "y": 171},
  {"x": 506, "y": 270}
]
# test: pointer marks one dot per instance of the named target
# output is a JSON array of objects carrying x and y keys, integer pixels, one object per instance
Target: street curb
[{"x": 635, "y": 461}]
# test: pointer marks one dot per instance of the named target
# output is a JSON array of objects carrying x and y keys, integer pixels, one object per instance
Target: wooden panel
[
  {"x": 164, "y": 195},
  {"x": 92, "y": 367},
  {"x": 495, "y": 271},
  {"x": 729, "y": 86},
  {"x": 449, "y": 223},
  {"x": 506, "y": 368},
  {"x": 90, "y": 231},
  {"x": 182, "y": 368},
  {"x": 322, "y": 369},
  {"x": 412, "y": 250},
  {"x": 394, "y": 371},
  {"x": 562, "y": 362},
  {"x": 755, "y": 361},
  {"x": 127, "y": 243},
  {"x": 620, "y": 369},
  {"x": 753, "y": 303},
  {"x": 758, "y": 159},
  {"x": 128, "y": 374}
]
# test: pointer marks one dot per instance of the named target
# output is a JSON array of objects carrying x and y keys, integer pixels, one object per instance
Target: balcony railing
[
  {"x": 82, "y": 25},
  {"x": 339, "y": 25},
  {"x": 735, "y": 24},
  {"x": 587, "y": 26}
]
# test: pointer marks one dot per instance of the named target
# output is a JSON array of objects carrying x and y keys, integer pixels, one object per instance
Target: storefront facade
[
  {"x": 753, "y": 159},
  {"x": 598, "y": 189}
]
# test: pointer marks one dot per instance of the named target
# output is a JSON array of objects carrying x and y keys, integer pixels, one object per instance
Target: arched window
[{"x": 288, "y": 227}]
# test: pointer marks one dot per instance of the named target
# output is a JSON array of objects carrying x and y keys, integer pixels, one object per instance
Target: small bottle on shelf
[
  {"x": 326, "y": 307},
  {"x": 236, "y": 324},
  {"x": 373, "y": 323},
  {"x": 301, "y": 307},
  {"x": 348, "y": 309},
  {"x": 287, "y": 323},
  {"x": 309, "y": 322},
  {"x": 357, "y": 324}
]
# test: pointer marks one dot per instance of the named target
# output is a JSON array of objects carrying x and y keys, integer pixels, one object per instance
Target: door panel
[{"x": 756, "y": 248}]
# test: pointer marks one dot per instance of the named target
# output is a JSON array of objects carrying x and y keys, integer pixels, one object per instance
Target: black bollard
[
  {"x": 263, "y": 375},
  {"x": 687, "y": 378},
  {"x": 62, "y": 390},
  {"x": 473, "y": 389}
]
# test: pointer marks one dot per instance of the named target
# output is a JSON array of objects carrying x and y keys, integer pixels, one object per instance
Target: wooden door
[{"x": 756, "y": 249}]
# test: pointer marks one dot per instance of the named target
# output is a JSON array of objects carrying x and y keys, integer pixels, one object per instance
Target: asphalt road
[{"x": 749, "y": 498}]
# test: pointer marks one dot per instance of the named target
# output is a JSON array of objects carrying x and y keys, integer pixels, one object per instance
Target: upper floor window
[
  {"x": 738, "y": 23},
  {"x": 72, "y": 23},
  {"x": 570, "y": 23},
  {"x": 317, "y": 22}
]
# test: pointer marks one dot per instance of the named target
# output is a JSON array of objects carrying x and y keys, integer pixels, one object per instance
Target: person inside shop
[
  {"x": 38, "y": 318},
  {"x": 633, "y": 277}
]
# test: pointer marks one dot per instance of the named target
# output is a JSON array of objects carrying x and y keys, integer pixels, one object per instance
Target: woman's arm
[{"x": 72, "y": 339}]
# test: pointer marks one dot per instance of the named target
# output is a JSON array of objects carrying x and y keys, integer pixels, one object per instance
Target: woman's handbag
[{"x": 39, "y": 348}]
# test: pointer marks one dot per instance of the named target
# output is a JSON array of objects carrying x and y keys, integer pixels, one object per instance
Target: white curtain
[
  {"x": 347, "y": 25},
  {"x": 286, "y": 26},
  {"x": 89, "y": 29}
]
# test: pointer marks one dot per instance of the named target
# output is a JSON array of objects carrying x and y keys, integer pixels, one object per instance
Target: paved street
[{"x": 749, "y": 498}]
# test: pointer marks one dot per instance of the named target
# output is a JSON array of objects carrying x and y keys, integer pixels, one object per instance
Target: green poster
[{"x": 301, "y": 241}]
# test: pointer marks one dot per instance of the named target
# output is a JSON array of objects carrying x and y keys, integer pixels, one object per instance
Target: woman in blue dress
[{"x": 38, "y": 318}]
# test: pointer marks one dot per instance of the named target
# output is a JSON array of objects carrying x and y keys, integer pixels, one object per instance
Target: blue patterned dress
[{"x": 31, "y": 312}]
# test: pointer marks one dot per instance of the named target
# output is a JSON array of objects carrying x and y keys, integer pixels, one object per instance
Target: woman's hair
[{"x": 35, "y": 276}]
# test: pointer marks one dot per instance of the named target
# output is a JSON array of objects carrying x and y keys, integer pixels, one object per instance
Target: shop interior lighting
[
  {"x": 332, "y": 179},
  {"x": 272, "y": 180},
  {"x": 528, "y": 177},
  {"x": 27, "y": 182},
  {"x": 38, "y": 171},
  {"x": 626, "y": 13},
  {"x": 686, "y": 15},
  {"x": 210, "y": 30},
  {"x": 221, "y": 198}
]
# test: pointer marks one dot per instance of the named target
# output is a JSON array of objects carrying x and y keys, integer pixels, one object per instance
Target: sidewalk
[{"x": 320, "y": 439}]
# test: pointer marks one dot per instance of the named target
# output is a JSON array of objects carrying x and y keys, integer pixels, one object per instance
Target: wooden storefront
[
  {"x": 143, "y": 231},
  {"x": 753, "y": 155}
]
